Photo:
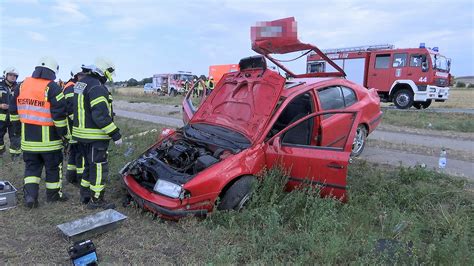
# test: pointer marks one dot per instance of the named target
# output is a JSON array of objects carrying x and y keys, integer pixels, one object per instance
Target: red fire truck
[{"x": 408, "y": 77}]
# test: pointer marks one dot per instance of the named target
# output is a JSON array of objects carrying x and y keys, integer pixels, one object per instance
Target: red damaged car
[{"x": 255, "y": 119}]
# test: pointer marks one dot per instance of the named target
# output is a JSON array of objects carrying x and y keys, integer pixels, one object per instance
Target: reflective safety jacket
[
  {"x": 68, "y": 92},
  {"x": 69, "y": 96},
  {"x": 93, "y": 113},
  {"x": 6, "y": 94},
  {"x": 40, "y": 103}
]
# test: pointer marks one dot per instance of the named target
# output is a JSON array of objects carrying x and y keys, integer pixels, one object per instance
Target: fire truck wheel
[
  {"x": 359, "y": 141},
  {"x": 238, "y": 194},
  {"x": 422, "y": 105},
  {"x": 403, "y": 99}
]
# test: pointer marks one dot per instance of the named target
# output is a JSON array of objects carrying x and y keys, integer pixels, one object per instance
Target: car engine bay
[{"x": 176, "y": 159}]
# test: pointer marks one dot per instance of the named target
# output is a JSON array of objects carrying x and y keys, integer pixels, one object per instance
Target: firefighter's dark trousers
[
  {"x": 52, "y": 163},
  {"x": 14, "y": 131},
  {"x": 96, "y": 168},
  {"x": 75, "y": 164}
]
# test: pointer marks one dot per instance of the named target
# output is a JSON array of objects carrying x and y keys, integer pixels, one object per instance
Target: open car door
[
  {"x": 298, "y": 148},
  {"x": 191, "y": 102}
]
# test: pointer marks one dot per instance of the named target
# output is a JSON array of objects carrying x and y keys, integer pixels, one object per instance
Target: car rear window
[
  {"x": 349, "y": 96},
  {"x": 331, "y": 98}
]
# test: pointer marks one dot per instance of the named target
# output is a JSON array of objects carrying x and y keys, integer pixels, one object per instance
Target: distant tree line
[{"x": 131, "y": 82}]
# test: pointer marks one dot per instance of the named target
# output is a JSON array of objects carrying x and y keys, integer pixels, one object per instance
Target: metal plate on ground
[
  {"x": 7, "y": 195},
  {"x": 85, "y": 228}
]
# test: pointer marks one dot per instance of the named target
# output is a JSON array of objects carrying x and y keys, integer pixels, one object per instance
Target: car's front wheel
[
  {"x": 238, "y": 194},
  {"x": 359, "y": 141}
]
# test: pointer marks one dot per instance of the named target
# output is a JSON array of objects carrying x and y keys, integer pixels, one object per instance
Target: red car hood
[{"x": 242, "y": 101}]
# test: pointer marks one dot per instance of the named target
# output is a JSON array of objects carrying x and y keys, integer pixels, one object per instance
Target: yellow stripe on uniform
[
  {"x": 53, "y": 185},
  {"x": 60, "y": 123},
  {"x": 59, "y": 97},
  {"x": 85, "y": 183},
  {"x": 109, "y": 128},
  {"x": 14, "y": 118},
  {"x": 98, "y": 100},
  {"x": 32, "y": 180}
]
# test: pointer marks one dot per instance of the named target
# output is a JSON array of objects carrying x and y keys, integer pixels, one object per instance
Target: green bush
[
  {"x": 427, "y": 213},
  {"x": 470, "y": 85},
  {"x": 460, "y": 84}
]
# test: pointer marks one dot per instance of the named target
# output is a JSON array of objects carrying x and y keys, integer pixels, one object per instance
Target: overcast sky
[{"x": 148, "y": 37}]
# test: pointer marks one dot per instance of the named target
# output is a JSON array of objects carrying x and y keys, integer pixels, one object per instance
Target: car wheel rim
[
  {"x": 243, "y": 201},
  {"x": 402, "y": 99},
  {"x": 358, "y": 141}
]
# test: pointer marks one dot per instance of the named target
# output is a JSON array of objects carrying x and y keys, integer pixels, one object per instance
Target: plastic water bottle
[
  {"x": 442, "y": 159},
  {"x": 129, "y": 151}
]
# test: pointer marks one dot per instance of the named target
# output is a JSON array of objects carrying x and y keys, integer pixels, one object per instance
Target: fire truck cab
[{"x": 408, "y": 77}]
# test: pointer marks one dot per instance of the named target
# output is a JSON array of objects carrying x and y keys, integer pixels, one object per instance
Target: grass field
[
  {"x": 430, "y": 120},
  {"x": 429, "y": 215},
  {"x": 458, "y": 98}
]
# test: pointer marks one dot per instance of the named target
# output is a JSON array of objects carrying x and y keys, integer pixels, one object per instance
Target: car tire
[
  {"x": 422, "y": 105},
  {"x": 403, "y": 99},
  {"x": 238, "y": 194},
  {"x": 360, "y": 139}
]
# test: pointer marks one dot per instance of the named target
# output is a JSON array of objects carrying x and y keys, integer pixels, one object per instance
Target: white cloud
[
  {"x": 22, "y": 21},
  {"x": 36, "y": 36},
  {"x": 69, "y": 11}
]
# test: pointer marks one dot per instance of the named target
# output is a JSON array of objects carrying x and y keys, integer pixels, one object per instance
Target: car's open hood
[{"x": 242, "y": 101}]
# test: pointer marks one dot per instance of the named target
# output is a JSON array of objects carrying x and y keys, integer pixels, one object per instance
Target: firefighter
[
  {"x": 9, "y": 122},
  {"x": 75, "y": 164},
  {"x": 93, "y": 127},
  {"x": 41, "y": 107},
  {"x": 201, "y": 85},
  {"x": 210, "y": 85}
]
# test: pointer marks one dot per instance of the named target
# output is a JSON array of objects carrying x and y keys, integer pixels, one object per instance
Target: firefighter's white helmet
[
  {"x": 76, "y": 70},
  {"x": 10, "y": 70},
  {"x": 50, "y": 63},
  {"x": 106, "y": 66}
]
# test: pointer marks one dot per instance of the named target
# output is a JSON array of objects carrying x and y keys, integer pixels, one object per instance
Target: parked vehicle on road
[
  {"x": 408, "y": 77},
  {"x": 148, "y": 88},
  {"x": 172, "y": 84}
]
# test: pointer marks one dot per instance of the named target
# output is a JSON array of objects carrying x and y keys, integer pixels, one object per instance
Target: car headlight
[
  {"x": 432, "y": 89},
  {"x": 168, "y": 188}
]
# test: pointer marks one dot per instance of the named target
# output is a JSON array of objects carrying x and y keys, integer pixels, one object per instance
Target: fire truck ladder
[
  {"x": 363, "y": 48},
  {"x": 359, "y": 48}
]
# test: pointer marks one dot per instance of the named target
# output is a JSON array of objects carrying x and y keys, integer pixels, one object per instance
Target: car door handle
[
  {"x": 374, "y": 75},
  {"x": 409, "y": 74},
  {"x": 335, "y": 166}
]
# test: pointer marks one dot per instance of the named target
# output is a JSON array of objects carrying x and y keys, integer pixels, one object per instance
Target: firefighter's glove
[{"x": 118, "y": 142}]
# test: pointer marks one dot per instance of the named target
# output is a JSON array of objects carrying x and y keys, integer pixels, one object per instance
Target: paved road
[
  {"x": 168, "y": 121},
  {"x": 423, "y": 140},
  {"x": 378, "y": 155},
  {"x": 434, "y": 110},
  {"x": 393, "y": 157}
]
